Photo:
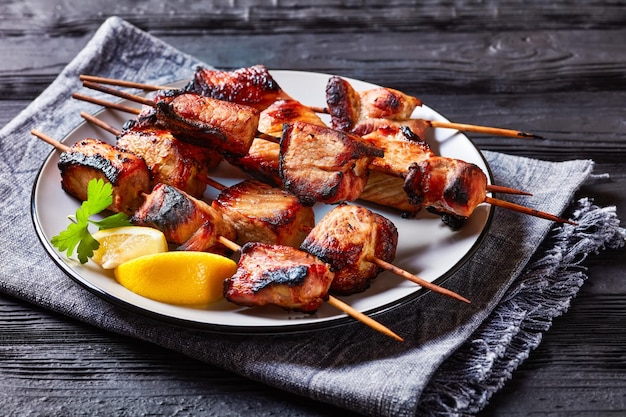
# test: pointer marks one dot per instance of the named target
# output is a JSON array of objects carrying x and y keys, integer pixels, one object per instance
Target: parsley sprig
[{"x": 99, "y": 197}]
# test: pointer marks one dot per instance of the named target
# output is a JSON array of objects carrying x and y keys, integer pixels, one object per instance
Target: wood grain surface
[{"x": 557, "y": 69}]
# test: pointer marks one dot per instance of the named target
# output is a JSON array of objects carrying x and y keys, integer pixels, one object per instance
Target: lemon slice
[
  {"x": 121, "y": 244},
  {"x": 177, "y": 277}
]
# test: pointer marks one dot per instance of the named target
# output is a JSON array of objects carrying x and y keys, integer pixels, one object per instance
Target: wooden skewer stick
[
  {"x": 335, "y": 302},
  {"x": 420, "y": 281},
  {"x": 58, "y": 145},
  {"x": 506, "y": 190},
  {"x": 463, "y": 127},
  {"x": 123, "y": 83},
  {"x": 496, "y": 131},
  {"x": 527, "y": 210},
  {"x": 104, "y": 103},
  {"x": 94, "y": 120},
  {"x": 119, "y": 93}
]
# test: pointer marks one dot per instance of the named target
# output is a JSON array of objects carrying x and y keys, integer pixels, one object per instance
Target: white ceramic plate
[{"x": 426, "y": 246}]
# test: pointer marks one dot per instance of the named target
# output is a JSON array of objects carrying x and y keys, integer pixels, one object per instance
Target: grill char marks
[
  {"x": 347, "y": 238},
  {"x": 322, "y": 164},
  {"x": 279, "y": 275},
  {"x": 186, "y": 221},
  {"x": 92, "y": 158}
]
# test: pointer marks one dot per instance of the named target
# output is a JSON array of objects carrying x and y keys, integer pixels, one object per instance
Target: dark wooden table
[{"x": 558, "y": 70}]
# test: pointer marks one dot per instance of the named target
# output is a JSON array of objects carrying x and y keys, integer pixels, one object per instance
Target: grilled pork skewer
[
  {"x": 185, "y": 221},
  {"x": 295, "y": 172},
  {"x": 360, "y": 112},
  {"x": 200, "y": 120},
  {"x": 257, "y": 211},
  {"x": 289, "y": 278},
  {"x": 170, "y": 161},
  {"x": 92, "y": 158},
  {"x": 251, "y": 86},
  {"x": 218, "y": 84},
  {"x": 359, "y": 244},
  {"x": 262, "y": 160}
]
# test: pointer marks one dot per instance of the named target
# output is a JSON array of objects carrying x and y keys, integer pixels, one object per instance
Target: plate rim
[{"x": 338, "y": 321}]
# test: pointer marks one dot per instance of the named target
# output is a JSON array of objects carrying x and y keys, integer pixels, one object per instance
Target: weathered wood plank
[
  {"x": 63, "y": 18},
  {"x": 424, "y": 63}
]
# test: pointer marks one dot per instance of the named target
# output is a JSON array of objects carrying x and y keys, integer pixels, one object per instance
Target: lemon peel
[{"x": 177, "y": 277}]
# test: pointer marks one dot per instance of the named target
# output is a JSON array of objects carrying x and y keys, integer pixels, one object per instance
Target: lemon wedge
[
  {"x": 121, "y": 244},
  {"x": 177, "y": 277}
]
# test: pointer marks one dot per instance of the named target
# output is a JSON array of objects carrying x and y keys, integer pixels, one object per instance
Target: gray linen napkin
[{"x": 454, "y": 357}]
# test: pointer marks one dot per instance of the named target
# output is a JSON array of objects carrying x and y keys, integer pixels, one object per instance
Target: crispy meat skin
[
  {"x": 278, "y": 275},
  {"x": 347, "y": 238},
  {"x": 186, "y": 221},
  {"x": 226, "y": 127},
  {"x": 446, "y": 185},
  {"x": 171, "y": 161},
  {"x": 92, "y": 158},
  {"x": 253, "y": 86},
  {"x": 322, "y": 164},
  {"x": 261, "y": 213},
  {"x": 261, "y": 162}
]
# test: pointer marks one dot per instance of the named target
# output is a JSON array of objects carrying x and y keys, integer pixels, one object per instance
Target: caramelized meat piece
[
  {"x": 253, "y": 86},
  {"x": 273, "y": 118},
  {"x": 349, "y": 109},
  {"x": 278, "y": 275},
  {"x": 344, "y": 104},
  {"x": 347, "y": 238},
  {"x": 387, "y": 103},
  {"x": 261, "y": 162},
  {"x": 446, "y": 185},
  {"x": 401, "y": 148},
  {"x": 171, "y": 161},
  {"x": 91, "y": 158},
  {"x": 186, "y": 221},
  {"x": 385, "y": 185},
  {"x": 321, "y": 164},
  {"x": 226, "y": 127},
  {"x": 261, "y": 213}
]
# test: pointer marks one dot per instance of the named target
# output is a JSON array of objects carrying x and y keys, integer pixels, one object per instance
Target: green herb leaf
[
  {"x": 99, "y": 197},
  {"x": 114, "y": 220}
]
